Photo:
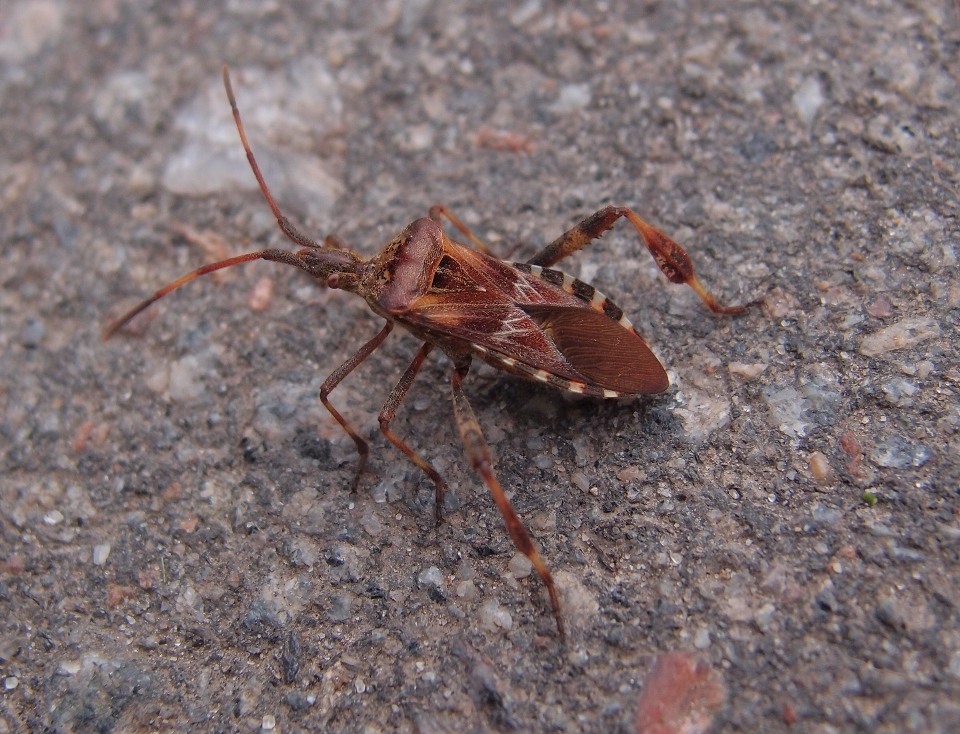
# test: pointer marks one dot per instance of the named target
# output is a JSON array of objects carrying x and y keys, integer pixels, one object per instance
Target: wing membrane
[
  {"x": 600, "y": 349},
  {"x": 533, "y": 322}
]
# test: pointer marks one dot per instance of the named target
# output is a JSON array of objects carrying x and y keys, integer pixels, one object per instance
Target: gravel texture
[{"x": 178, "y": 548}]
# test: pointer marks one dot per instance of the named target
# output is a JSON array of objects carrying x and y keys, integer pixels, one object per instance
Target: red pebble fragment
[
  {"x": 508, "y": 140},
  {"x": 681, "y": 695},
  {"x": 790, "y": 716},
  {"x": 83, "y": 434},
  {"x": 117, "y": 594},
  {"x": 881, "y": 308},
  {"x": 853, "y": 449},
  {"x": 261, "y": 295}
]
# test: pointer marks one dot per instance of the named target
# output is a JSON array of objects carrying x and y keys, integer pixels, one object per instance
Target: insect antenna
[
  {"x": 275, "y": 255},
  {"x": 286, "y": 225},
  {"x": 334, "y": 256}
]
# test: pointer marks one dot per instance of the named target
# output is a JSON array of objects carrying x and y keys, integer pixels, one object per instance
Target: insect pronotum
[{"x": 526, "y": 319}]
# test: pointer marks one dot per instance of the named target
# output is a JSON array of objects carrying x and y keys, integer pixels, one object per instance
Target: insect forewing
[
  {"x": 601, "y": 350},
  {"x": 527, "y": 320}
]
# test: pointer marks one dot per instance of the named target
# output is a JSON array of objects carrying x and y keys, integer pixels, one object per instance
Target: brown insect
[{"x": 523, "y": 318}]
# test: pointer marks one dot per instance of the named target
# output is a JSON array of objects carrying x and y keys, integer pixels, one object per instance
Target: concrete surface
[{"x": 178, "y": 548}]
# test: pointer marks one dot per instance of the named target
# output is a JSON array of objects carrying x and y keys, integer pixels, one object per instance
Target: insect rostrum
[{"x": 523, "y": 318}]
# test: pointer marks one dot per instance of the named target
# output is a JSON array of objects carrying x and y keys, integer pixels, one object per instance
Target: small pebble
[
  {"x": 581, "y": 481},
  {"x": 544, "y": 461},
  {"x": 902, "y": 335},
  {"x": 703, "y": 414},
  {"x": 681, "y": 693},
  {"x": 579, "y": 603},
  {"x": 764, "y": 616},
  {"x": 467, "y": 590},
  {"x": 68, "y": 667},
  {"x": 520, "y": 566},
  {"x": 340, "y": 608},
  {"x": 159, "y": 381},
  {"x": 430, "y": 577},
  {"x": 466, "y": 571},
  {"x": 630, "y": 474},
  {"x": 54, "y": 517},
  {"x": 297, "y": 701},
  {"x": 880, "y": 308},
  {"x": 269, "y": 723},
  {"x": 261, "y": 295},
  {"x": 100, "y": 554},
  {"x": 11, "y": 682},
  {"x": 702, "y": 639},
  {"x": 746, "y": 371},
  {"x": 415, "y": 137},
  {"x": 29, "y": 27},
  {"x": 788, "y": 410},
  {"x": 371, "y": 524},
  {"x": 897, "y": 453},
  {"x": 495, "y": 619},
  {"x": 820, "y": 468},
  {"x": 185, "y": 379},
  {"x": 572, "y": 98},
  {"x": 33, "y": 334},
  {"x": 807, "y": 99},
  {"x": 899, "y": 391},
  {"x": 525, "y": 12}
]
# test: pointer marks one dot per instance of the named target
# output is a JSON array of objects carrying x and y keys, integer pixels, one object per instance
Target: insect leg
[
  {"x": 675, "y": 263},
  {"x": 335, "y": 379},
  {"x": 577, "y": 238},
  {"x": 439, "y": 210},
  {"x": 669, "y": 256},
  {"x": 389, "y": 410},
  {"x": 479, "y": 454}
]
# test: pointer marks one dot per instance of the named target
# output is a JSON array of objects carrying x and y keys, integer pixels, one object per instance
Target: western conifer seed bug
[{"x": 526, "y": 319}]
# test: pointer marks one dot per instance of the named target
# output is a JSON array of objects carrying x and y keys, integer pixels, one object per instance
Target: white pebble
[
  {"x": 573, "y": 97},
  {"x": 495, "y": 619},
  {"x": 430, "y": 577},
  {"x": 101, "y": 553},
  {"x": 184, "y": 379},
  {"x": 807, "y": 99},
  {"x": 54, "y": 517},
  {"x": 520, "y": 566},
  {"x": 159, "y": 381},
  {"x": 371, "y": 524},
  {"x": 903, "y": 335},
  {"x": 467, "y": 590},
  {"x": 69, "y": 667}
]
